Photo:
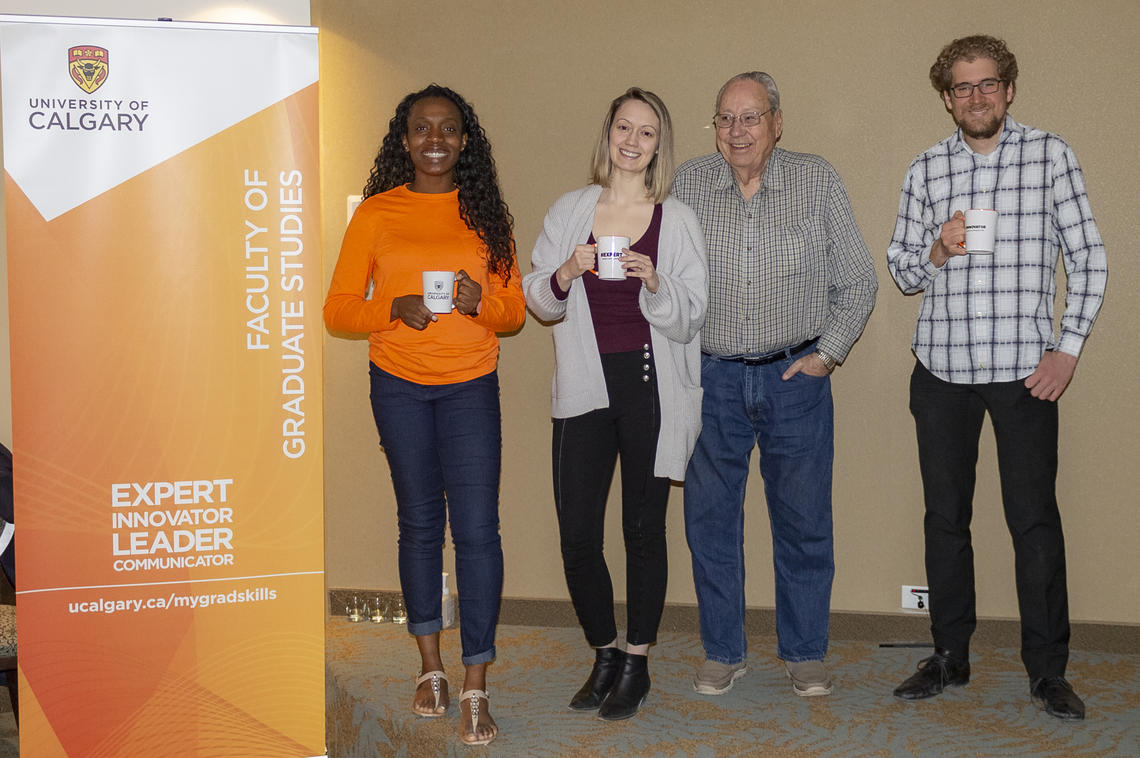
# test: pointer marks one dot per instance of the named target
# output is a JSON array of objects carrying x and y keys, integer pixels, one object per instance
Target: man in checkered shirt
[
  {"x": 985, "y": 342},
  {"x": 791, "y": 285}
]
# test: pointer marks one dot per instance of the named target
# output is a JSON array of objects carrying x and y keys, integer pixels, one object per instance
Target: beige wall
[{"x": 855, "y": 91}]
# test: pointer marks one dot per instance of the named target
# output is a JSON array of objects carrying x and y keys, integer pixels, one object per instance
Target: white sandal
[
  {"x": 469, "y": 736},
  {"x": 437, "y": 689}
]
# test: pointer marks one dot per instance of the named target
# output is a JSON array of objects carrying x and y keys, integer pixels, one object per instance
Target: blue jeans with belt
[
  {"x": 444, "y": 449},
  {"x": 792, "y": 423}
]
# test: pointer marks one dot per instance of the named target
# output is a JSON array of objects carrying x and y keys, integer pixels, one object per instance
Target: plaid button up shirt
[
  {"x": 787, "y": 265},
  {"x": 989, "y": 318}
]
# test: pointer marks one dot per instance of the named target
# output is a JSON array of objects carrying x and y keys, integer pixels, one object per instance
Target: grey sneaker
[
  {"x": 714, "y": 678},
  {"x": 809, "y": 678}
]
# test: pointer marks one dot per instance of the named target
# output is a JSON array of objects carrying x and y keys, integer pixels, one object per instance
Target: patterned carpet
[
  {"x": 369, "y": 685},
  {"x": 370, "y": 670}
]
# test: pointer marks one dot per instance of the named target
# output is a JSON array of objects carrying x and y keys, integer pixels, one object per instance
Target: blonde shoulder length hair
[{"x": 659, "y": 173}]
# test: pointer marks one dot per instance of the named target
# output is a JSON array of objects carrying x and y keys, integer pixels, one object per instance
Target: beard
[{"x": 983, "y": 127}]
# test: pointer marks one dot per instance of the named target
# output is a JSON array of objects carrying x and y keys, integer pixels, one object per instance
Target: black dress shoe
[
  {"x": 936, "y": 673},
  {"x": 607, "y": 667},
  {"x": 630, "y": 690},
  {"x": 1056, "y": 696}
]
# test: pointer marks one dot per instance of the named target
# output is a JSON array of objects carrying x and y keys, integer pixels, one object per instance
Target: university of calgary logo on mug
[
  {"x": 88, "y": 66},
  {"x": 438, "y": 285}
]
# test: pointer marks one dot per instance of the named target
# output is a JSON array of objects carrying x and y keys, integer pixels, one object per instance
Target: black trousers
[
  {"x": 585, "y": 451},
  {"x": 948, "y": 419}
]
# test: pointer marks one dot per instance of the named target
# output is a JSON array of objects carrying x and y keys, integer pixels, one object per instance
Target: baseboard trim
[{"x": 904, "y": 629}]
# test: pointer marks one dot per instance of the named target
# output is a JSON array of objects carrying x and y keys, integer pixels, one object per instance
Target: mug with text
[
  {"x": 609, "y": 258},
  {"x": 981, "y": 228},
  {"x": 439, "y": 291}
]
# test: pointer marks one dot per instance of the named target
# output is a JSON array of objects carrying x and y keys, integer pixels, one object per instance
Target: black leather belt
[{"x": 764, "y": 360}]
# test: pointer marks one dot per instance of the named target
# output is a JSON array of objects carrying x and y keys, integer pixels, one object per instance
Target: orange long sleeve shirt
[{"x": 392, "y": 239}]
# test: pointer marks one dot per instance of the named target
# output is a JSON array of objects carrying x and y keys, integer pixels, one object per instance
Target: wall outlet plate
[
  {"x": 353, "y": 203},
  {"x": 915, "y": 598}
]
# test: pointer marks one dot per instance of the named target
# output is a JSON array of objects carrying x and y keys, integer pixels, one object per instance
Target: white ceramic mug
[
  {"x": 609, "y": 258},
  {"x": 439, "y": 291},
  {"x": 981, "y": 228}
]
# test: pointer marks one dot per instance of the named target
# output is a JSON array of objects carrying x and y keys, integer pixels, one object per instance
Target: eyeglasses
[
  {"x": 985, "y": 86},
  {"x": 750, "y": 118}
]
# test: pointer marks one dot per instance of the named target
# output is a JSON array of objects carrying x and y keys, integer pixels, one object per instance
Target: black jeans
[
  {"x": 948, "y": 419},
  {"x": 585, "y": 450}
]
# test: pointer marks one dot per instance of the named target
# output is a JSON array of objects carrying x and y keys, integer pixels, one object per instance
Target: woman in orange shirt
[{"x": 432, "y": 203}]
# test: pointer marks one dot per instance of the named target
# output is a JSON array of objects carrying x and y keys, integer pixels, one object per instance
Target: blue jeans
[
  {"x": 792, "y": 422},
  {"x": 444, "y": 449}
]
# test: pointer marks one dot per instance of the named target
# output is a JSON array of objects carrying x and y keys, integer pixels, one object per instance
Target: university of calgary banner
[{"x": 162, "y": 218}]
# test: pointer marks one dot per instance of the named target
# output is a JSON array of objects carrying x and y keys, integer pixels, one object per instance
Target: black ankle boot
[
  {"x": 630, "y": 690},
  {"x": 607, "y": 666}
]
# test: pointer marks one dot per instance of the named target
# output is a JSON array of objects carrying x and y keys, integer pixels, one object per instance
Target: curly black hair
[{"x": 481, "y": 204}]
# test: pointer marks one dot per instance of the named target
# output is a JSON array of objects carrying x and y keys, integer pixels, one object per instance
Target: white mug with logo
[
  {"x": 439, "y": 290},
  {"x": 609, "y": 258},
  {"x": 981, "y": 228}
]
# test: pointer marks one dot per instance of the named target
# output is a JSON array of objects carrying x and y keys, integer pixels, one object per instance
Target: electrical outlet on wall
[{"x": 915, "y": 598}]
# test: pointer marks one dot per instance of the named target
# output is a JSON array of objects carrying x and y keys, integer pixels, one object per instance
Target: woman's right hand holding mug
[
  {"x": 411, "y": 310},
  {"x": 580, "y": 261}
]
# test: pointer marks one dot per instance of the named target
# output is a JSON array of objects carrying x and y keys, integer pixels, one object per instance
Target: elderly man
[
  {"x": 985, "y": 342},
  {"x": 791, "y": 285}
]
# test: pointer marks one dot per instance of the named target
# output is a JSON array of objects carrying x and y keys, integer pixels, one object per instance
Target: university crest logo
[{"x": 88, "y": 66}]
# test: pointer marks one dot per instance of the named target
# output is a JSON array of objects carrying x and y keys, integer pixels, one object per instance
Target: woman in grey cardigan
[{"x": 626, "y": 381}]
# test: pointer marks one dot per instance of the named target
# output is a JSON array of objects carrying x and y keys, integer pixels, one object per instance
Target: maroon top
[{"x": 618, "y": 324}]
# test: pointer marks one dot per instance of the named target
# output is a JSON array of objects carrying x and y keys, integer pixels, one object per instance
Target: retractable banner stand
[{"x": 161, "y": 192}]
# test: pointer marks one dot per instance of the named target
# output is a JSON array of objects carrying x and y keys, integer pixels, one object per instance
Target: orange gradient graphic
[{"x": 130, "y": 366}]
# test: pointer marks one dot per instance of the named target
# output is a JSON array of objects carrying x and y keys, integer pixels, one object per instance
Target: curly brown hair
[
  {"x": 481, "y": 204},
  {"x": 969, "y": 49}
]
